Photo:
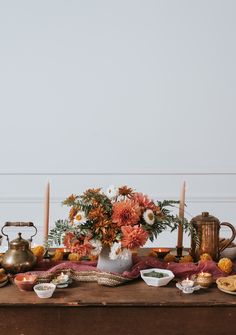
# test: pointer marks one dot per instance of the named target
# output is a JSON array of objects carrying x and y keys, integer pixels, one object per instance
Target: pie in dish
[{"x": 227, "y": 283}]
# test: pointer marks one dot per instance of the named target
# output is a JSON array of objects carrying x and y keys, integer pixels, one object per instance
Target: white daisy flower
[
  {"x": 112, "y": 192},
  {"x": 149, "y": 217},
  {"x": 80, "y": 218},
  {"x": 97, "y": 247},
  {"x": 118, "y": 252}
]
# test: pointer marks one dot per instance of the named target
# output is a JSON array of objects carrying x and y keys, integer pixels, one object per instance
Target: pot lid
[
  {"x": 205, "y": 217},
  {"x": 19, "y": 242}
]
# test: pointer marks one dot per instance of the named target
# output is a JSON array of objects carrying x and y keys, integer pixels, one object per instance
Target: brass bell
[{"x": 18, "y": 257}]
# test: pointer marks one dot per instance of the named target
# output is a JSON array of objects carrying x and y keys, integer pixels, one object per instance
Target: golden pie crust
[{"x": 227, "y": 283}]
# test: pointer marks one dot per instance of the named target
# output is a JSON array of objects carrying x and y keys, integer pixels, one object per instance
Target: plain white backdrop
[{"x": 124, "y": 86}]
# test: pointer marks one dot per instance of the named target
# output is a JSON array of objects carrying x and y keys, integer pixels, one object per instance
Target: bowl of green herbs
[{"x": 156, "y": 277}]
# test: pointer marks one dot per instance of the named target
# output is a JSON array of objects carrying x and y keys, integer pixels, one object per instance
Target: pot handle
[
  {"x": 232, "y": 237},
  {"x": 19, "y": 224}
]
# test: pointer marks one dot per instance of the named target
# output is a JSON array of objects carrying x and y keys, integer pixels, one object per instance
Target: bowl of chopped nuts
[
  {"x": 44, "y": 290},
  {"x": 156, "y": 277}
]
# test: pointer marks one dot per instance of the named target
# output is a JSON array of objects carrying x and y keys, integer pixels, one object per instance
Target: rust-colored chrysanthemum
[
  {"x": 133, "y": 237},
  {"x": 108, "y": 236},
  {"x": 97, "y": 214},
  {"x": 70, "y": 200},
  {"x": 125, "y": 191},
  {"x": 95, "y": 203},
  {"x": 91, "y": 191},
  {"x": 100, "y": 226},
  {"x": 107, "y": 231},
  {"x": 126, "y": 213},
  {"x": 157, "y": 210}
]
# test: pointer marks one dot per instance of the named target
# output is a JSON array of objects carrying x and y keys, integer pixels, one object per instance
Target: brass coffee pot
[
  {"x": 207, "y": 228},
  {"x": 18, "y": 257}
]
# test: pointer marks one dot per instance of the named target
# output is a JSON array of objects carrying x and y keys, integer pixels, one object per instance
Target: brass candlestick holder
[{"x": 179, "y": 251}]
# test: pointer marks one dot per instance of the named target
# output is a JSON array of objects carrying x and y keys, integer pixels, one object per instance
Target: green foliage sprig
[{"x": 56, "y": 234}]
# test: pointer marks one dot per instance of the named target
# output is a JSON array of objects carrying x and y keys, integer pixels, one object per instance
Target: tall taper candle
[
  {"x": 46, "y": 212},
  {"x": 181, "y": 216}
]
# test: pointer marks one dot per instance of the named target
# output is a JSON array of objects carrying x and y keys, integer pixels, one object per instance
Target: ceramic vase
[{"x": 118, "y": 265}]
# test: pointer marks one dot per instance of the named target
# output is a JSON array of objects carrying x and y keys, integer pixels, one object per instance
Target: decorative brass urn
[
  {"x": 208, "y": 228},
  {"x": 18, "y": 257}
]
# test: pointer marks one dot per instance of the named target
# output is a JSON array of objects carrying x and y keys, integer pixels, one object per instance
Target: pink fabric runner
[
  {"x": 51, "y": 267},
  {"x": 181, "y": 270}
]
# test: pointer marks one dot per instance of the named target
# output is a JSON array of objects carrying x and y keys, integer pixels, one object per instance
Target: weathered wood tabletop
[{"x": 134, "y": 308}]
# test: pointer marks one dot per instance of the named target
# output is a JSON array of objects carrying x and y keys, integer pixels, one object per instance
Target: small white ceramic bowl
[
  {"x": 44, "y": 290},
  {"x": 153, "y": 281}
]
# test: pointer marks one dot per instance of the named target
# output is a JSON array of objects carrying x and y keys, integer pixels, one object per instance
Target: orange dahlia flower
[
  {"x": 144, "y": 201},
  {"x": 133, "y": 237},
  {"x": 81, "y": 249},
  {"x": 126, "y": 213}
]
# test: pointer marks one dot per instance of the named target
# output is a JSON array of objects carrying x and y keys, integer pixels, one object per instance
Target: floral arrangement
[{"x": 118, "y": 217}]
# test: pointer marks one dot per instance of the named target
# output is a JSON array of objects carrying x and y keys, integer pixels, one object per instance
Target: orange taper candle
[
  {"x": 46, "y": 212},
  {"x": 181, "y": 215}
]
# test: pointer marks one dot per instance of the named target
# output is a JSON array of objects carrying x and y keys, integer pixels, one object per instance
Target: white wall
[{"x": 117, "y": 87}]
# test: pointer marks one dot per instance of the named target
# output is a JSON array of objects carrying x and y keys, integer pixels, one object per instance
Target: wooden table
[{"x": 134, "y": 308}]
